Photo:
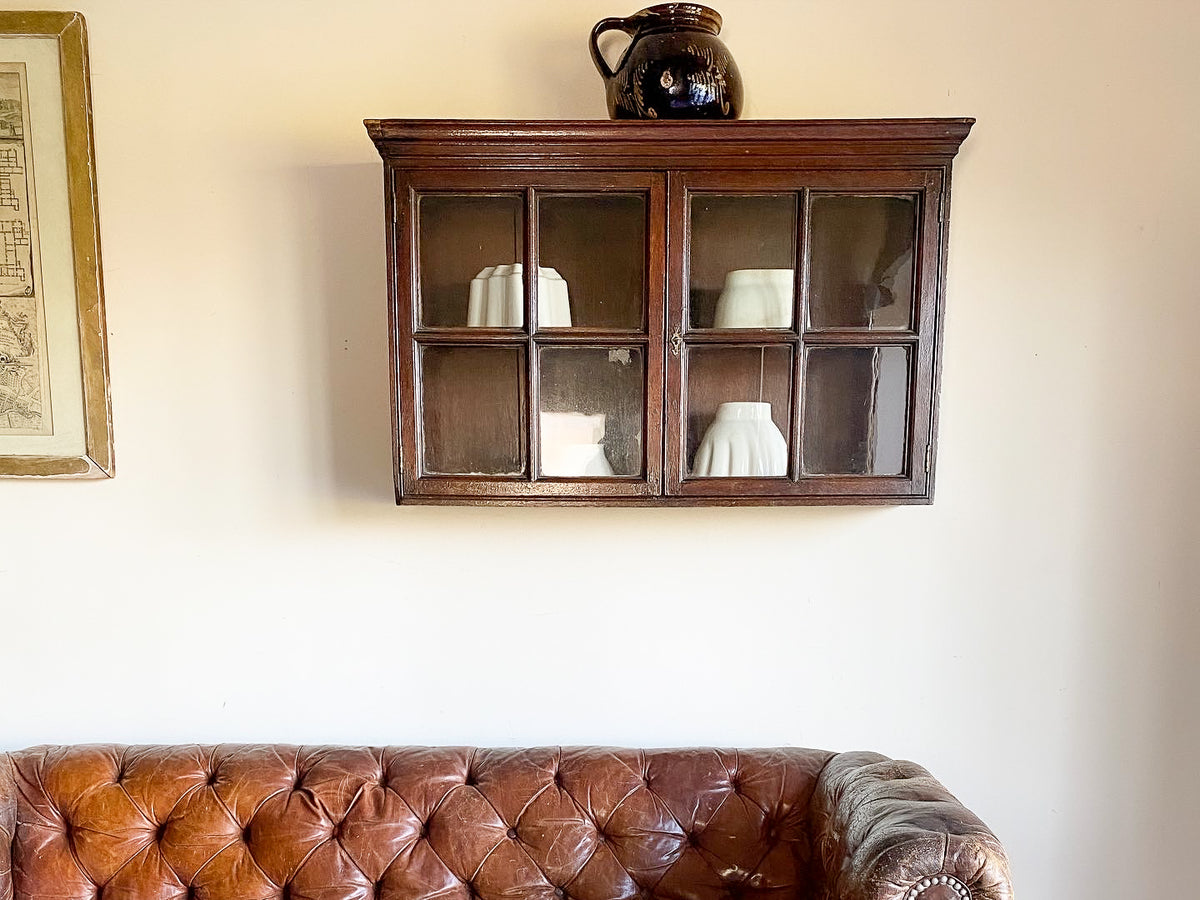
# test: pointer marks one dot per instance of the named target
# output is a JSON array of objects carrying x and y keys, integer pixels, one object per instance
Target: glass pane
[
  {"x": 739, "y": 405},
  {"x": 743, "y": 256},
  {"x": 471, "y": 410},
  {"x": 855, "y": 410},
  {"x": 592, "y": 249},
  {"x": 862, "y": 262},
  {"x": 592, "y": 409},
  {"x": 465, "y": 240}
]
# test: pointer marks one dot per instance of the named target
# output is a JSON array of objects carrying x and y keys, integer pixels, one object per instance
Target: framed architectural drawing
[{"x": 55, "y": 418}]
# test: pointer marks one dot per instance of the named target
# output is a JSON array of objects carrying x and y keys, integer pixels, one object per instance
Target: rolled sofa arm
[
  {"x": 887, "y": 830},
  {"x": 8, "y": 824}
]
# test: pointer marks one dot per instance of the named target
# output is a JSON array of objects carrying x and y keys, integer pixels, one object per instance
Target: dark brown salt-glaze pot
[{"x": 675, "y": 68}]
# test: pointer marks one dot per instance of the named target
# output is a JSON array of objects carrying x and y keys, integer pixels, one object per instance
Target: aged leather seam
[
  {"x": 300, "y": 865},
  {"x": 386, "y": 788},
  {"x": 391, "y": 862},
  {"x": 141, "y": 850},
  {"x": 12, "y": 839},
  {"x": 486, "y": 857},
  {"x": 432, "y": 813},
  {"x": 208, "y": 862},
  {"x": 531, "y": 801},
  {"x": 765, "y": 853},
  {"x": 821, "y": 771},
  {"x": 595, "y": 848},
  {"x": 149, "y": 821},
  {"x": 827, "y": 822},
  {"x": 617, "y": 805},
  {"x": 213, "y": 767},
  {"x": 37, "y": 771},
  {"x": 661, "y": 804},
  {"x": 333, "y": 840},
  {"x": 470, "y": 768},
  {"x": 250, "y": 819},
  {"x": 323, "y": 809}
]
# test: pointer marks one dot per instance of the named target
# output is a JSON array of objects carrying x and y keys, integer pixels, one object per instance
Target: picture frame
[{"x": 55, "y": 408}]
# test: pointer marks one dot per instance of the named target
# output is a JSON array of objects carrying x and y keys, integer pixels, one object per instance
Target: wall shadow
[
  {"x": 345, "y": 270},
  {"x": 1176, "y": 829},
  {"x": 1140, "y": 725}
]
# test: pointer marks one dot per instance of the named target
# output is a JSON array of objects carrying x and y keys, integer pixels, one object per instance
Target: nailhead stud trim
[{"x": 926, "y": 883}]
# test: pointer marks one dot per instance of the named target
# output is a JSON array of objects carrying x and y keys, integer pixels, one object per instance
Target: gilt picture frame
[{"x": 55, "y": 409}]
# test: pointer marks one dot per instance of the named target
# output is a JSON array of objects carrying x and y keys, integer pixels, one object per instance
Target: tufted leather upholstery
[
  {"x": 327, "y": 823},
  {"x": 8, "y": 826},
  {"x": 885, "y": 827}
]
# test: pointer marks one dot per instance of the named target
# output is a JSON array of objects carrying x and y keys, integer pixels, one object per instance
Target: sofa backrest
[
  {"x": 253, "y": 822},
  {"x": 8, "y": 825}
]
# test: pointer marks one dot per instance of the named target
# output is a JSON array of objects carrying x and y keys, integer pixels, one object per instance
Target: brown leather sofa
[{"x": 406, "y": 823}]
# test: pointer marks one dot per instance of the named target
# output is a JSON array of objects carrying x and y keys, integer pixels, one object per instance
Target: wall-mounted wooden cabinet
[{"x": 650, "y": 313}]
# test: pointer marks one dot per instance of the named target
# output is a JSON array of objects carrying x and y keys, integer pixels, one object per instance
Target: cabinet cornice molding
[{"x": 765, "y": 144}]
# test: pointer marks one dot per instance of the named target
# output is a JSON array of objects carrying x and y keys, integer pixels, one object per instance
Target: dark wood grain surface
[{"x": 608, "y": 204}]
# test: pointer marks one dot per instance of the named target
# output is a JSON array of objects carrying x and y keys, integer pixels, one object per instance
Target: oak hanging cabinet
[{"x": 664, "y": 313}]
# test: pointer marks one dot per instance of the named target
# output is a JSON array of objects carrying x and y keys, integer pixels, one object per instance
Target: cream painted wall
[{"x": 1031, "y": 637}]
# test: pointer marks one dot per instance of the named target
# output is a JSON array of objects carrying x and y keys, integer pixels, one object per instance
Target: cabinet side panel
[
  {"x": 939, "y": 325},
  {"x": 391, "y": 230}
]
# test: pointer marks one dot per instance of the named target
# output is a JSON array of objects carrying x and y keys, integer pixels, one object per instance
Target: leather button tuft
[{"x": 512, "y": 834}]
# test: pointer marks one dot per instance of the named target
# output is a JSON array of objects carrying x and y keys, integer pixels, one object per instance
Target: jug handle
[{"x": 610, "y": 24}]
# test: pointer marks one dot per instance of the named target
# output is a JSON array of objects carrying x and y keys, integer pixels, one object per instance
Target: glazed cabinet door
[
  {"x": 802, "y": 325},
  {"x": 528, "y": 334}
]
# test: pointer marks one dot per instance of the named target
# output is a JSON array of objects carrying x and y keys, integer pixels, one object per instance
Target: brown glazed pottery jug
[{"x": 676, "y": 67}]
